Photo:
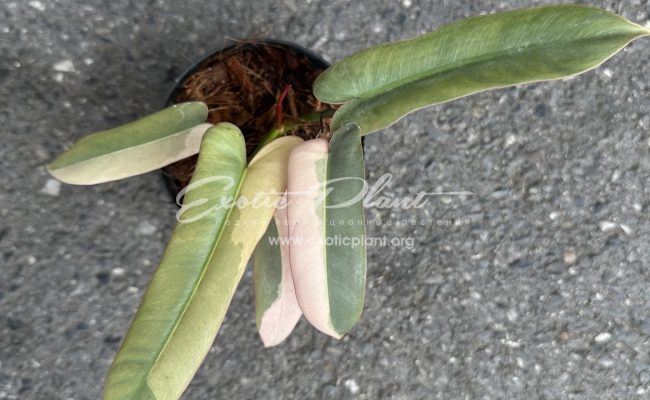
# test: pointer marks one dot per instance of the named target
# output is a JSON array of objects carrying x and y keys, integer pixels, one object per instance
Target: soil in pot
[{"x": 256, "y": 86}]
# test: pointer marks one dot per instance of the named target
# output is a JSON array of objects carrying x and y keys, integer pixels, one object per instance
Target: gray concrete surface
[{"x": 543, "y": 295}]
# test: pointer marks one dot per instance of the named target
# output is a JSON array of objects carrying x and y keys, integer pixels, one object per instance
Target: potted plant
[{"x": 305, "y": 194}]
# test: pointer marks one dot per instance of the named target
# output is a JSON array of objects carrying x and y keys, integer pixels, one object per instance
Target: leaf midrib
[
  {"x": 378, "y": 91},
  {"x": 204, "y": 268}
]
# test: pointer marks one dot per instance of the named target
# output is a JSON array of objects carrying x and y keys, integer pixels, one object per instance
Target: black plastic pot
[
  {"x": 209, "y": 57},
  {"x": 172, "y": 185}
]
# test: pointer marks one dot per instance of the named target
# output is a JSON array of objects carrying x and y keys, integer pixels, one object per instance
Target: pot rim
[{"x": 198, "y": 63}]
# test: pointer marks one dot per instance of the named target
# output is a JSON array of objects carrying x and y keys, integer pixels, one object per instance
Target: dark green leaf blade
[
  {"x": 326, "y": 217},
  {"x": 345, "y": 220}
]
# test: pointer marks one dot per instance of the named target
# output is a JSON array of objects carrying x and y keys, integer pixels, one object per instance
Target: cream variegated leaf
[
  {"x": 141, "y": 146},
  {"x": 276, "y": 307},
  {"x": 326, "y": 220},
  {"x": 188, "y": 296}
]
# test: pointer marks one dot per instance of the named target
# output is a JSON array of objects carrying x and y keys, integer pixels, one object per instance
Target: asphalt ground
[{"x": 534, "y": 287}]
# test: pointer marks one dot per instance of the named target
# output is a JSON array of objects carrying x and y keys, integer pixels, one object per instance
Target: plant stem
[
  {"x": 279, "y": 115},
  {"x": 280, "y": 130}
]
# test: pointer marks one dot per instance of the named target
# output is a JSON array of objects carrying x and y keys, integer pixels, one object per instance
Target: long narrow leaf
[
  {"x": 188, "y": 296},
  {"x": 328, "y": 258},
  {"x": 382, "y": 84},
  {"x": 176, "y": 285},
  {"x": 265, "y": 178},
  {"x": 135, "y": 148}
]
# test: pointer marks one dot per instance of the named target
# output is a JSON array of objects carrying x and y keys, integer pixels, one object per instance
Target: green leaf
[
  {"x": 177, "y": 289},
  {"x": 328, "y": 259},
  {"x": 188, "y": 296},
  {"x": 276, "y": 307},
  {"x": 380, "y": 85},
  {"x": 135, "y": 148}
]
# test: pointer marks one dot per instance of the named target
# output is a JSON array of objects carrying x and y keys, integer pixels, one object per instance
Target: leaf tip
[
  {"x": 199, "y": 106},
  {"x": 70, "y": 179}
]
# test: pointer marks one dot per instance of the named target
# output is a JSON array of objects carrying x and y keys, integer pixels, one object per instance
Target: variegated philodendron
[{"x": 306, "y": 261}]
